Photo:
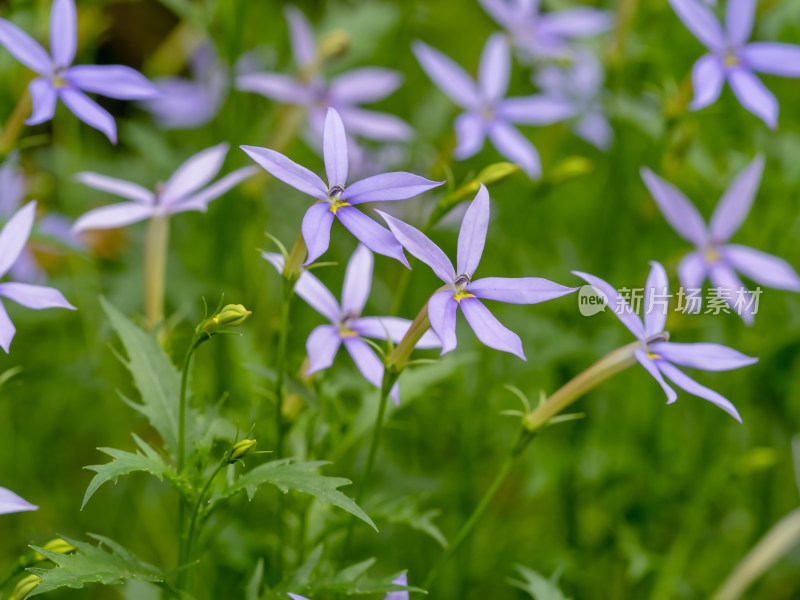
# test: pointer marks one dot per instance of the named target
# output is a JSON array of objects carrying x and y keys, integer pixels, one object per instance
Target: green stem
[
  {"x": 13, "y": 126},
  {"x": 196, "y": 511},
  {"x": 155, "y": 270}
]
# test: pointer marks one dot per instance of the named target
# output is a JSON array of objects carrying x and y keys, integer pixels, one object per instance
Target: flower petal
[
  {"x": 507, "y": 14},
  {"x": 494, "y": 70},
  {"x": 357, "y": 281},
  {"x": 679, "y": 212},
  {"x": 63, "y": 32},
  {"x": 310, "y": 289},
  {"x": 580, "y": 22},
  {"x": 617, "y": 303},
  {"x": 394, "y": 328},
  {"x": 650, "y": 365},
  {"x": 288, "y": 171},
  {"x": 43, "y": 98},
  {"x": 442, "y": 315},
  {"x": 692, "y": 270},
  {"x": 734, "y": 206},
  {"x": 595, "y": 129},
  {"x": 705, "y": 356},
  {"x": 536, "y": 109},
  {"x": 321, "y": 346},
  {"x": 89, "y": 111},
  {"x": 699, "y": 19},
  {"x": 194, "y": 173},
  {"x": 447, "y": 75},
  {"x": 316, "y": 228},
  {"x": 24, "y": 48},
  {"x": 489, "y": 330},
  {"x": 772, "y": 58},
  {"x": 201, "y": 199},
  {"x": 656, "y": 299},
  {"x": 7, "y": 329},
  {"x": 725, "y": 278},
  {"x": 518, "y": 290},
  {"x": 368, "y": 363},
  {"x": 112, "y": 81},
  {"x": 470, "y": 135},
  {"x": 364, "y": 85},
  {"x": 763, "y": 268},
  {"x": 334, "y": 149},
  {"x": 418, "y": 244},
  {"x": 401, "y": 580},
  {"x": 118, "y": 187},
  {"x": 516, "y": 147},
  {"x": 14, "y": 235},
  {"x": 685, "y": 382},
  {"x": 472, "y": 235},
  {"x": 281, "y": 88},
  {"x": 385, "y": 187},
  {"x": 371, "y": 234},
  {"x": 301, "y": 36},
  {"x": 739, "y": 18},
  {"x": 113, "y": 216},
  {"x": 35, "y": 297},
  {"x": 12, "y": 503},
  {"x": 375, "y": 125},
  {"x": 754, "y": 95},
  {"x": 708, "y": 77}
]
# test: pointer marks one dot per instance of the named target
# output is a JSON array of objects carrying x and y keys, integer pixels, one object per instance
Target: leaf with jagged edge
[
  {"x": 107, "y": 563},
  {"x": 288, "y": 474},
  {"x": 539, "y": 587},
  {"x": 406, "y": 510}
]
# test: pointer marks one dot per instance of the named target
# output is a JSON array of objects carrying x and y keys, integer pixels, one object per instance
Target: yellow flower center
[
  {"x": 337, "y": 204},
  {"x": 712, "y": 255},
  {"x": 653, "y": 355},
  {"x": 346, "y": 332},
  {"x": 731, "y": 60},
  {"x": 461, "y": 294}
]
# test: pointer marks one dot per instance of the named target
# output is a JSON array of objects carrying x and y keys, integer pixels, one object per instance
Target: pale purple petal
[
  {"x": 371, "y": 234},
  {"x": 536, "y": 110},
  {"x": 334, "y": 149},
  {"x": 692, "y": 270},
  {"x": 617, "y": 303},
  {"x": 364, "y": 85},
  {"x": 676, "y": 208},
  {"x": 772, "y": 58},
  {"x": 14, "y": 235},
  {"x": 118, "y": 187},
  {"x": 418, "y": 244},
  {"x": 201, "y": 199},
  {"x": 575, "y": 23},
  {"x": 739, "y": 18},
  {"x": 194, "y": 173},
  {"x": 725, "y": 278},
  {"x": 650, "y": 365},
  {"x": 489, "y": 330},
  {"x": 708, "y": 77},
  {"x": 281, "y": 88},
  {"x": 316, "y": 228},
  {"x": 394, "y": 328},
  {"x": 43, "y": 99},
  {"x": 296, "y": 596},
  {"x": 321, "y": 346},
  {"x": 388, "y": 186},
  {"x": 518, "y": 290},
  {"x": 368, "y": 363},
  {"x": 472, "y": 236},
  {"x": 357, "y": 281},
  {"x": 89, "y": 111},
  {"x": 447, "y": 75},
  {"x": 35, "y": 297},
  {"x": 24, "y": 48},
  {"x": 764, "y": 269},
  {"x": 113, "y": 216},
  {"x": 301, "y": 36},
  {"x": 655, "y": 299},
  {"x": 12, "y": 503},
  {"x": 7, "y": 329},
  {"x": 734, "y": 206},
  {"x": 470, "y": 135},
  {"x": 310, "y": 289},
  {"x": 690, "y": 385},
  {"x": 595, "y": 129},
  {"x": 401, "y": 580},
  {"x": 507, "y": 14},
  {"x": 754, "y": 95},
  {"x": 705, "y": 356},
  {"x": 288, "y": 171},
  {"x": 516, "y": 148},
  {"x": 442, "y": 315},
  {"x": 699, "y": 19},
  {"x": 494, "y": 70},
  {"x": 63, "y": 32},
  {"x": 112, "y": 81},
  {"x": 375, "y": 125},
  {"x": 12, "y": 186}
]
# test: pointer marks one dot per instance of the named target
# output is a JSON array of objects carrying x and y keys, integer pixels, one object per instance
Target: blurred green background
[{"x": 637, "y": 500}]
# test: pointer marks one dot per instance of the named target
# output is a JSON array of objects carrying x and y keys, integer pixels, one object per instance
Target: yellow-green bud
[
  {"x": 58, "y": 546},
  {"x": 333, "y": 45},
  {"x": 25, "y": 586},
  {"x": 241, "y": 450},
  {"x": 231, "y": 315},
  {"x": 496, "y": 172}
]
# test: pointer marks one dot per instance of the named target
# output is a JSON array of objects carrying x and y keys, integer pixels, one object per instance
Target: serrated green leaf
[
  {"x": 107, "y": 563},
  {"x": 288, "y": 474},
  {"x": 407, "y": 511},
  {"x": 144, "y": 459},
  {"x": 539, "y": 587}
]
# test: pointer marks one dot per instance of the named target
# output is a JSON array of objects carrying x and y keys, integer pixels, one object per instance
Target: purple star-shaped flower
[
  {"x": 548, "y": 35},
  {"x": 580, "y": 84},
  {"x": 658, "y": 355},
  {"x": 11, "y": 502},
  {"x": 347, "y": 326},
  {"x": 714, "y": 257},
  {"x": 61, "y": 80},
  {"x": 461, "y": 291},
  {"x": 13, "y": 238},
  {"x": 336, "y": 200},
  {"x": 731, "y": 58},
  {"x": 182, "y": 191},
  {"x": 401, "y": 580},
  {"x": 345, "y": 92},
  {"x": 487, "y": 111}
]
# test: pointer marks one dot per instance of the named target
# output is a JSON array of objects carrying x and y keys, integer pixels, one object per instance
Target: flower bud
[
  {"x": 232, "y": 315},
  {"x": 58, "y": 546},
  {"x": 241, "y": 450},
  {"x": 25, "y": 586}
]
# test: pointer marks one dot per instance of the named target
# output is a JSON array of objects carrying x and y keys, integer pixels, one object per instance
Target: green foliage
[
  {"x": 540, "y": 588},
  {"x": 107, "y": 563},
  {"x": 406, "y": 510}
]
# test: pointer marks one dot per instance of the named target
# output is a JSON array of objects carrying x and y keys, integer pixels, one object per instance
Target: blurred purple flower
[
  {"x": 714, "y": 257},
  {"x": 61, "y": 80},
  {"x": 11, "y": 503},
  {"x": 182, "y": 191},
  {"x": 580, "y": 85},
  {"x": 658, "y": 355},
  {"x": 345, "y": 92},
  {"x": 337, "y": 200},
  {"x": 13, "y": 238},
  {"x": 347, "y": 325},
  {"x": 549, "y": 35},
  {"x": 487, "y": 111},
  {"x": 459, "y": 288},
  {"x": 732, "y": 59}
]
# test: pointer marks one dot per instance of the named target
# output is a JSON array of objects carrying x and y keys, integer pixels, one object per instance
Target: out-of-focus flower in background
[{"x": 11, "y": 502}]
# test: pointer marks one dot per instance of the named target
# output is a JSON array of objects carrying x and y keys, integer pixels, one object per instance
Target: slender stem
[
  {"x": 196, "y": 341},
  {"x": 155, "y": 270},
  {"x": 396, "y": 361},
  {"x": 14, "y": 124},
  {"x": 196, "y": 511}
]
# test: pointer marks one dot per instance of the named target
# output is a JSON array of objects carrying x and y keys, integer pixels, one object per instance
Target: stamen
[
  {"x": 462, "y": 279},
  {"x": 659, "y": 337},
  {"x": 335, "y": 192}
]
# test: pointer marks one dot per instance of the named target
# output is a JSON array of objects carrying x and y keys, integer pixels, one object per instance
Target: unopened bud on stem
[
  {"x": 240, "y": 450},
  {"x": 58, "y": 546},
  {"x": 25, "y": 586},
  {"x": 231, "y": 315}
]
